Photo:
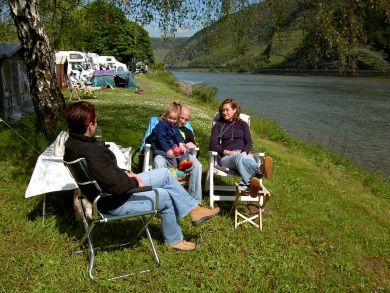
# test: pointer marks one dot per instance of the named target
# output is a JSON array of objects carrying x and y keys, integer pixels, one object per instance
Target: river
[{"x": 350, "y": 116}]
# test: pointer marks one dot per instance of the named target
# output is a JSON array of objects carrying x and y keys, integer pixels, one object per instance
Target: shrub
[{"x": 204, "y": 93}]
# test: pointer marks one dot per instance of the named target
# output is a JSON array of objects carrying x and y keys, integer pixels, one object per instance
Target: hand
[
  {"x": 139, "y": 180},
  {"x": 170, "y": 153},
  {"x": 183, "y": 148},
  {"x": 191, "y": 145}
]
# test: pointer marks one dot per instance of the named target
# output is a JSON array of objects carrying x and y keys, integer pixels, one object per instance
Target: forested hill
[{"x": 320, "y": 35}]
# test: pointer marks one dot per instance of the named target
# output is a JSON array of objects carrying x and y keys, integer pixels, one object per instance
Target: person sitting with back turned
[
  {"x": 231, "y": 139},
  {"x": 174, "y": 200}
]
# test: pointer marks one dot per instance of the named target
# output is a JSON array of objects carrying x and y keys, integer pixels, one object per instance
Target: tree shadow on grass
[{"x": 60, "y": 206}]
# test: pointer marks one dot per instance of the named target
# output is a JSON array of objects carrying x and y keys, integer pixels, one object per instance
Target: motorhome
[
  {"x": 77, "y": 62},
  {"x": 111, "y": 62}
]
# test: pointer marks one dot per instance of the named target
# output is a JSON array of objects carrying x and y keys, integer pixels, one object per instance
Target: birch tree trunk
[{"x": 48, "y": 100}]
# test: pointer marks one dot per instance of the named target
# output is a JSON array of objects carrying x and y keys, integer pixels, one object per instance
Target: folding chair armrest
[
  {"x": 143, "y": 189},
  {"x": 131, "y": 191},
  {"x": 213, "y": 155},
  {"x": 139, "y": 189},
  {"x": 147, "y": 154}
]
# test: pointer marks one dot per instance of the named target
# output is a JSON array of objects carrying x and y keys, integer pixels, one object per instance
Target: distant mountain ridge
[{"x": 234, "y": 44}]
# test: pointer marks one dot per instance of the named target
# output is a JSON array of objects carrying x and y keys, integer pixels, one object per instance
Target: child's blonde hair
[{"x": 172, "y": 108}]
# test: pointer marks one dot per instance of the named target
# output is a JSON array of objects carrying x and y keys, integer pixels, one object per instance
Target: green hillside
[
  {"x": 162, "y": 46},
  {"x": 254, "y": 38}
]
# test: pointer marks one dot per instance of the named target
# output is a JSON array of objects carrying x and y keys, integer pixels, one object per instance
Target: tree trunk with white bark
[{"x": 47, "y": 98}]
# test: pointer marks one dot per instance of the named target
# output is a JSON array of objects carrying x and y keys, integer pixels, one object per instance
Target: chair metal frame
[
  {"x": 233, "y": 193},
  {"x": 79, "y": 170}
]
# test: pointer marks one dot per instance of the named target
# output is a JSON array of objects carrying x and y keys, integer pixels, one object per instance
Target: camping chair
[
  {"x": 87, "y": 185},
  {"x": 74, "y": 90},
  {"x": 145, "y": 148},
  {"x": 234, "y": 193}
]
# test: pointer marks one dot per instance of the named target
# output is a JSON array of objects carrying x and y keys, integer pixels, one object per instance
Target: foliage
[
  {"x": 328, "y": 231},
  {"x": 204, "y": 93},
  {"x": 302, "y": 34},
  {"x": 104, "y": 29},
  {"x": 8, "y": 32}
]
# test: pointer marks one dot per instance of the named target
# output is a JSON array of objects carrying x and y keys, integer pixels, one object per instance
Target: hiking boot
[
  {"x": 200, "y": 214},
  {"x": 266, "y": 168},
  {"x": 184, "y": 246},
  {"x": 254, "y": 187}
]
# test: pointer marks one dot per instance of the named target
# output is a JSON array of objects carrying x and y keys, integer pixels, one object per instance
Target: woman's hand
[{"x": 139, "y": 180}]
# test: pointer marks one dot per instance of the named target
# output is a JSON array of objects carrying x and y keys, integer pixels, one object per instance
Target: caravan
[
  {"x": 109, "y": 62},
  {"x": 77, "y": 62}
]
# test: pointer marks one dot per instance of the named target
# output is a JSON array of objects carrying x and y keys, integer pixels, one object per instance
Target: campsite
[
  {"x": 328, "y": 229},
  {"x": 321, "y": 224}
]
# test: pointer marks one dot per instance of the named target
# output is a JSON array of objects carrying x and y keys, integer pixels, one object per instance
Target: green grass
[{"x": 329, "y": 229}]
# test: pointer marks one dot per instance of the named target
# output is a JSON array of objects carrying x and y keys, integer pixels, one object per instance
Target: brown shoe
[
  {"x": 266, "y": 168},
  {"x": 200, "y": 214},
  {"x": 254, "y": 187},
  {"x": 184, "y": 245}
]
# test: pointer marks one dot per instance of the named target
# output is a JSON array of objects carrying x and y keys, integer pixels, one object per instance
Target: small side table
[{"x": 241, "y": 217}]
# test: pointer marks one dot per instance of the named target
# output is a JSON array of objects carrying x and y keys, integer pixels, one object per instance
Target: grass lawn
[{"x": 329, "y": 229}]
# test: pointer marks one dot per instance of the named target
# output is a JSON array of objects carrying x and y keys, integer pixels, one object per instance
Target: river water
[{"x": 350, "y": 116}]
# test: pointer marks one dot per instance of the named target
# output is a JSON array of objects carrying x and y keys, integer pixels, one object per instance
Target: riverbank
[
  {"x": 329, "y": 229},
  {"x": 296, "y": 71}
]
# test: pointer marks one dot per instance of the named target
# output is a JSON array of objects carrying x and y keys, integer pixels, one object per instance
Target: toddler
[{"x": 167, "y": 141}]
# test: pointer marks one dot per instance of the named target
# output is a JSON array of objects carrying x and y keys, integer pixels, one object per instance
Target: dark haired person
[
  {"x": 231, "y": 139},
  {"x": 174, "y": 201}
]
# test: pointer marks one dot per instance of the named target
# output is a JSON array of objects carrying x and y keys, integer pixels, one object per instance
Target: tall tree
[{"x": 47, "y": 98}]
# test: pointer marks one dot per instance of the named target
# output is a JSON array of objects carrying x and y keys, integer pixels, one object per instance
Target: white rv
[
  {"x": 78, "y": 62},
  {"x": 111, "y": 62}
]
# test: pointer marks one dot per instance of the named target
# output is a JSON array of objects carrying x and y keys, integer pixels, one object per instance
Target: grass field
[{"x": 329, "y": 229}]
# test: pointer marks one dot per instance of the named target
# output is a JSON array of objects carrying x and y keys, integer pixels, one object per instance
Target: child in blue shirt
[{"x": 166, "y": 136}]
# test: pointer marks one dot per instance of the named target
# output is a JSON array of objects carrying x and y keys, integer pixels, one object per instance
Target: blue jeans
[
  {"x": 245, "y": 165},
  {"x": 195, "y": 183},
  {"x": 174, "y": 203}
]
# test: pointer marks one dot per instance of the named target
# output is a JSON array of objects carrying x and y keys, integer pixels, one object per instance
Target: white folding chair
[
  {"x": 234, "y": 192},
  {"x": 74, "y": 90}
]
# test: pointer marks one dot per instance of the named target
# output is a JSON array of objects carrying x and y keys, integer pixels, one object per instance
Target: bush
[{"x": 204, "y": 93}]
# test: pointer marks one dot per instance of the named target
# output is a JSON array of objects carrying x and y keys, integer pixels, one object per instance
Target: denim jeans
[
  {"x": 245, "y": 165},
  {"x": 174, "y": 203},
  {"x": 195, "y": 183}
]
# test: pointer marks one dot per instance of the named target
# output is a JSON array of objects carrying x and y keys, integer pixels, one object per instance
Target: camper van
[
  {"x": 77, "y": 62},
  {"x": 111, "y": 62}
]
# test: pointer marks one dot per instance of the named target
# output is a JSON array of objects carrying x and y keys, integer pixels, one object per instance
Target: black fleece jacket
[{"x": 103, "y": 167}]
